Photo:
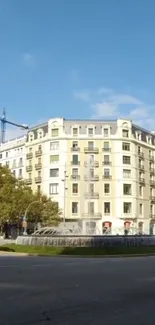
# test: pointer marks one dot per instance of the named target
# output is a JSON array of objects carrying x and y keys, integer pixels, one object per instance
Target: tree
[{"x": 16, "y": 198}]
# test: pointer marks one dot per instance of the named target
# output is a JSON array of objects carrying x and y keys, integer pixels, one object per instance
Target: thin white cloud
[
  {"x": 105, "y": 91},
  {"x": 82, "y": 95},
  {"x": 29, "y": 59}
]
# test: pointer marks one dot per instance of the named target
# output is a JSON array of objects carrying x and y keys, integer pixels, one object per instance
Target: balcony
[
  {"x": 29, "y": 155},
  {"x": 28, "y": 181},
  {"x": 38, "y": 153},
  {"x": 91, "y": 195},
  {"x": 106, "y": 149},
  {"x": 106, "y": 177},
  {"x": 152, "y": 183},
  {"x": 141, "y": 180},
  {"x": 92, "y": 164},
  {"x": 92, "y": 215},
  {"x": 152, "y": 216},
  {"x": 38, "y": 166},
  {"x": 91, "y": 178},
  {"x": 29, "y": 168},
  {"x": 91, "y": 150},
  {"x": 106, "y": 163},
  {"x": 75, "y": 149},
  {"x": 38, "y": 179},
  {"x": 151, "y": 158},
  {"x": 76, "y": 177},
  {"x": 141, "y": 167},
  {"x": 75, "y": 163},
  {"x": 141, "y": 155},
  {"x": 152, "y": 170},
  {"x": 152, "y": 198}
]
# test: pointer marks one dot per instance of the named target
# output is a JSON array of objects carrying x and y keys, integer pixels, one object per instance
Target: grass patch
[{"x": 82, "y": 251}]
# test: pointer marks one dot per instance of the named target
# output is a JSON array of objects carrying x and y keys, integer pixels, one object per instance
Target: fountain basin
[{"x": 86, "y": 241}]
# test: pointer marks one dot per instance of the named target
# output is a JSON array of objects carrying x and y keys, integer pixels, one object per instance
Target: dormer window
[
  {"x": 149, "y": 139},
  {"x": 40, "y": 134},
  {"x": 90, "y": 131},
  {"x": 75, "y": 132},
  {"x": 105, "y": 132},
  {"x": 31, "y": 137},
  {"x": 55, "y": 133},
  {"x": 125, "y": 133},
  {"x": 138, "y": 136}
]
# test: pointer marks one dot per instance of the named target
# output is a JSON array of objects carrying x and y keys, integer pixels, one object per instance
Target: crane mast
[{"x": 4, "y": 121}]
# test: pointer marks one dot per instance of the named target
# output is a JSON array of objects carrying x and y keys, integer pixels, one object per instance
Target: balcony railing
[
  {"x": 141, "y": 180},
  {"x": 152, "y": 216},
  {"x": 92, "y": 164},
  {"x": 106, "y": 177},
  {"x": 29, "y": 181},
  {"x": 75, "y": 149},
  {"x": 38, "y": 179},
  {"x": 151, "y": 158},
  {"x": 91, "y": 150},
  {"x": 38, "y": 166},
  {"x": 38, "y": 153},
  {"x": 141, "y": 155},
  {"x": 92, "y": 215},
  {"x": 107, "y": 163},
  {"x": 29, "y": 155},
  {"x": 152, "y": 198},
  {"x": 152, "y": 183},
  {"x": 75, "y": 163},
  {"x": 93, "y": 195},
  {"x": 29, "y": 168},
  {"x": 140, "y": 166},
  {"x": 75, "y": 177},
  {"x": 106, "y": 149},
  {"x": 91, "y": 178}
]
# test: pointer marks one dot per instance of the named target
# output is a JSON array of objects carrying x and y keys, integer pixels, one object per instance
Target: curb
[{"x": 94, "y": 256}]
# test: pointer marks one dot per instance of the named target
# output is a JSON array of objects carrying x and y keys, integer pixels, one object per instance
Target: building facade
[
  {"x": 12, "y": 154},
  {"x": 101, "y": 173}
]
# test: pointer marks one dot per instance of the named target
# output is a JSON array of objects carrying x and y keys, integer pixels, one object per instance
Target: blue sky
[{"x": 77, "y": 59}]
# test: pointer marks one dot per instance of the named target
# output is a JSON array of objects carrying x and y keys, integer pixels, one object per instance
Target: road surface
[{"x": 40, "y": 290}]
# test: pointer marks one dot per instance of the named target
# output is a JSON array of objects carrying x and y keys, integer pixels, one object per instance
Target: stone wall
[{"x": 86, "y": 241}]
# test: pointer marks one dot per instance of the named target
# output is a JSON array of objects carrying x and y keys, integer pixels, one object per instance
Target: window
[
  {"x": 127, "y": 207},
  {"x": 75, "y": 160},
  {"x": 127, "y": 160},
  {"x": 90, "y": 131},
  {"x": 40, "y": 134},
  {"x": 106, "y": 132},
  {"x": 106, "y": 172},
  {"x": 31, "y": 137},
  {"x": 54, "y": 187},
  {"x": 7, "y": 163},
  {"x": 106, "y": 146},
  {"x": 74, "y": 207},
  {"x": 151, "y": 208},
  {"x": 106, "y": 159},
  {"x": 90, "y": 145},
  {"x": 126, "y": 173},
  {"x": 14, "y": 173},
  {"x": 75, "y": 171},
  {"x": 75, "y": 145},
  {"x": 91, "y": 158},
  {"x": 30, "y": 162},
  {"x": 20, "y": 173},
  {"x": 91, "y": 188},
  {"x": 14, "y": 163},
  {"x": 126, "y": 146},
  {"x": 140, "y": 208},
  {"x": 20, "y": 161},
  {"x": 54, "y": 159},
  {"x": 106, "y": 188},
  {"x": 127, "y": 189},
  {"x": 0, "y": 155},
  {"x": 138, "y": 135},
  {"x": 54, "y": 145},
  {"x": 38, "y": 188},
  {"x": 91, "y": 208},
  {"x": 107, "y": 207},
  {"x": 30, "y": 175},
  {"x": 54, "y": 172},
  {"x": 39, "y": 148},
  {"x": 55, "y": 133},
  {"x": 140, "y": 190},
  {"x": 30, "y": 150},
  {"x": 91, "y": 172},
  {"x": 75, "y": 131},
  {"x": 75, "y": 188},
  {"x": 39, "y": 160},
  {"x": 7, "y": 154},
  {"x": 125, "y": 133},
  {"x": 39, "y": 173}
]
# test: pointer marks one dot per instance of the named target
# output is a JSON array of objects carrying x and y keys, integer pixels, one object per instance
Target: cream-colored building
[
  {"x": 12, "y": 154},
  {"x": 101, "y": 173}
]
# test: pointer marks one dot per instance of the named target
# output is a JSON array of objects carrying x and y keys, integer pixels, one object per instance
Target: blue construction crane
[{"x": 4, "y": 121}]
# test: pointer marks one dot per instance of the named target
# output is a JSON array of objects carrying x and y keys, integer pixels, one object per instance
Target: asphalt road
[{"x": 35, "y": 290}]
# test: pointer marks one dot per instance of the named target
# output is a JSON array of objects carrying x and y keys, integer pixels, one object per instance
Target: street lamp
[{"x": 25, "y": 216}]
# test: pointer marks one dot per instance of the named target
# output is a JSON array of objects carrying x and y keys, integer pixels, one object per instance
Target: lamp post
[{"x": 25, "y": 216}]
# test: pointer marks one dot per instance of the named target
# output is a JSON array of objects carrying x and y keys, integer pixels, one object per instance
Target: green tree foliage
[{"x": 16, "y": 198}]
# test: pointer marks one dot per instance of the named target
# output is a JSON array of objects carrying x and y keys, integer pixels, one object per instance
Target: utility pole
[{"x": 65, "y": 188}]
